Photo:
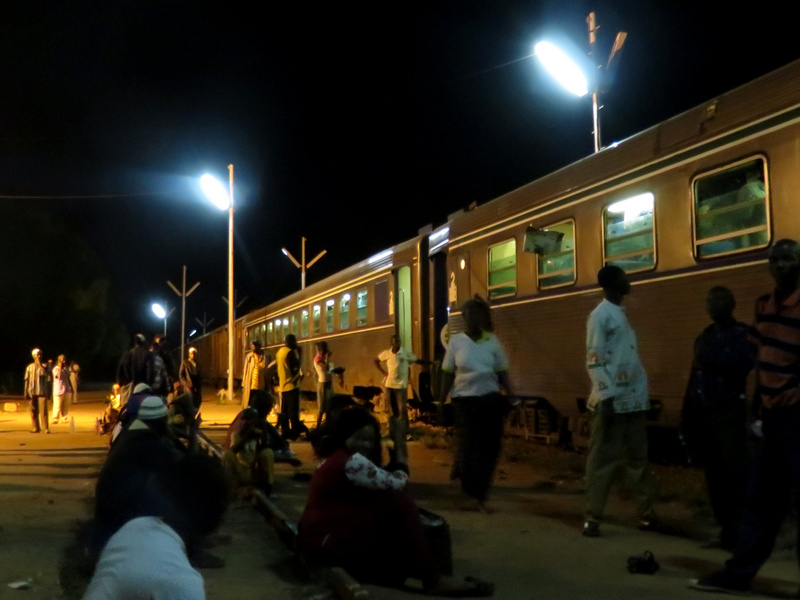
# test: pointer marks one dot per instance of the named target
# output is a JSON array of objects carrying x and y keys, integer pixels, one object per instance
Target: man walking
[
  {"x": 618, "y": 401},
  {"x": 775, "y": 472},
  {"x": 288, "y": 359},
  {"x": 36, "y": 392}
]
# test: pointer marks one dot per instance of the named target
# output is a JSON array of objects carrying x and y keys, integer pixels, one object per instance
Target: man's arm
[
  {"x": 379, "y": 366},
  {"x": 597, "y": 348}
]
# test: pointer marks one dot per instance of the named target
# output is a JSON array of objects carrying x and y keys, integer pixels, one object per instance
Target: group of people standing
[{"x": 50, "y": 390}]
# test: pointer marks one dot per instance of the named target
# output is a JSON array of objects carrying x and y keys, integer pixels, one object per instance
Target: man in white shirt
[
  {"x": 618, "y": 402},
  {"x": 395, "y": 385}
]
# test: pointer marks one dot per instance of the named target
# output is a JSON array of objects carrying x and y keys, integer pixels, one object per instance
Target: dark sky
[{"x": 351, "y": 124}]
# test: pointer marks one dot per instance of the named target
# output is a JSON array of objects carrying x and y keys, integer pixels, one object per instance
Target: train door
[{"x": 403, "y": 317}]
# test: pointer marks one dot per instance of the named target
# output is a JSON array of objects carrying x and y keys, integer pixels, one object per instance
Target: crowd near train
[{"x": 684, "y": 206}]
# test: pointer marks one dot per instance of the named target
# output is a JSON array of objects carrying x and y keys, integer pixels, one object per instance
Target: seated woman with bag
[{"x": 359, "y": 518}]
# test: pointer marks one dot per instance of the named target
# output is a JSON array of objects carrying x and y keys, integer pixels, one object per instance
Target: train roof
[{"x": 751, "y": 104}]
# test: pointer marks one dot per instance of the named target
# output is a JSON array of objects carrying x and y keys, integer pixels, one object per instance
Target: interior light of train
[
  {"x": 329, "y": 303},
  {"x": 463, "y": 264},
  {"x": 379, "y": 257},
  {"x": 559, "y": 65},
  {"x": 633, "y": 207},
  {"x": 346, "y": 297},
  {"x": 286, "y": 322}
]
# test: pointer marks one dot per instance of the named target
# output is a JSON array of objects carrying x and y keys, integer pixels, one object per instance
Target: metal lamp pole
[{"x": 302, "y": 264}]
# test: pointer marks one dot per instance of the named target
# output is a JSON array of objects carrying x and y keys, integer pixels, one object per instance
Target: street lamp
[
  {"x": 302, "y": 264},
  {"x": 568, "y": 74},
  {"x": 223, "y": 200},
  {"x": 162, "y": 313}
]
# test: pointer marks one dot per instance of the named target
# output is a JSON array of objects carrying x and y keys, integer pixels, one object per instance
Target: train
[{"x": 688, "y": 204}]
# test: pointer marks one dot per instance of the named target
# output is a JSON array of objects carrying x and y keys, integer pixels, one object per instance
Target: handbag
[{"x": 437, "y": 532}]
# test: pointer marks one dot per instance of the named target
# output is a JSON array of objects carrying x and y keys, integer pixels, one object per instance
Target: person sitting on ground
[
  {"x": 252, "y": 445},
  {"x": 359, "y": 518},
  {"x": 147, "y": 556}
]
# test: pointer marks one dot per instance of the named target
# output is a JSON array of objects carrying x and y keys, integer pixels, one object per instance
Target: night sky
[{"x": 352, "y": 125}]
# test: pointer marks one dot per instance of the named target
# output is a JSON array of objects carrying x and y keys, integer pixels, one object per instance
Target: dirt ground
[{"x": 531, "y": 543}]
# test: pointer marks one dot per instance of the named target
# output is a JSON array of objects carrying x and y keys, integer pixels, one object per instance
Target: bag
[
  {"x": 437, "y": 532},
  {"x": 644, "y": 563}
]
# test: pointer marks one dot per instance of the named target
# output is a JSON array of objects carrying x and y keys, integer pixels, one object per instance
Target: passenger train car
[{"x": 691, "y": 203}]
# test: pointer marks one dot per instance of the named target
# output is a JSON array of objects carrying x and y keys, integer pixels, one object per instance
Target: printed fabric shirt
[
  {"x": 612, "y": 359},
  {"x": 35, "y": 380},
  {"x": 362, "y": 472},
  {"x": 777, "y": 334},
  {"x": 145, "y": 560},
  {"x": 397, "y": 367},
  {"x": 475, "y": 363}
]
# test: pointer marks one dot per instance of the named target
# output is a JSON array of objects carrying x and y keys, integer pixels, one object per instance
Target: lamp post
[
  {"x": 568, "y": 74},
  {"x": 162, "y": 313},
  {"x": 302, "y": 264},
  {"x": 183, "y": 294},
  {"x": 224, "y": 200}
]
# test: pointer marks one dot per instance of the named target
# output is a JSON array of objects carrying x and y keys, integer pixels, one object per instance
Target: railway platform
[{"x": 530, "y": 547}]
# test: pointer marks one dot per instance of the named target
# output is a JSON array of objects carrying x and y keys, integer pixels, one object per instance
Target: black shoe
[
  {"x": 721, "y": 582},
  {"x": 650, "y": 524},
  {"x": 591, "y": 529}
]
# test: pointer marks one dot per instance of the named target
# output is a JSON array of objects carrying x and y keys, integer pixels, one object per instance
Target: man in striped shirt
[{"x": 776, "y": 464}]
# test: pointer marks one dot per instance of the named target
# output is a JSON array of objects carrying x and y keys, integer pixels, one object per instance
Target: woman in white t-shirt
[{"x": 475, "y": 370}]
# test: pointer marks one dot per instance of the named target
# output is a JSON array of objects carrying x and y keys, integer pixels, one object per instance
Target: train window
[
  {"x": 315, "y": 316},
  {"x": 361, "y": 308},
  {"x": 304, "y": 324},
  {"x": 628, "y": 233},
  {"x": 344, "y": 311},
  {"x": 557, "y": 268},
  {"x": 278, "y": 337},
  {"x": 730, "y": 209},
  {"x": 285, "y": 329},
  {"x": 503, "y": 269},
  {"x": 329, "y": 315},
  {"x": 270, "y": 337},
  {"x": 294, "y": 329}
]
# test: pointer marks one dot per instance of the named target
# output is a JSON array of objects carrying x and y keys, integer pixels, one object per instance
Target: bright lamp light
[
  {"x": 159, "y": 311},
  {"x": 562, "y": 68},
  {"x": 215, "y": 192}
]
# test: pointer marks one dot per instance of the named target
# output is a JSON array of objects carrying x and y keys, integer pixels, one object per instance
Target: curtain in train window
[
  {"x": 503, "y": 269},
  {"x": 557, "y": 268},
  {"x": 361, "y": 308},
  {"x": 344, "y": 311},
  {"x": 329, "y": 315},
  {"x": 304, "y": 324},
  {"x": 730, "y": 209},
  {"x": 629, "y": 234},
  {"x": 315, "y": 317}
]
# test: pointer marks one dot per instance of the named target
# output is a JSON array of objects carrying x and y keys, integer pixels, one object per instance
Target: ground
[{"x": 530, "y": 547}]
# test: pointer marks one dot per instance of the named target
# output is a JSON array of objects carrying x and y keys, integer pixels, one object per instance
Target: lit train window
[
  {"x": 304, "y": 323},
  {"x": 316, "y": 316},
  {"x": 285, "y": 327},
  {"x": 270, "y": 338},
  {"x": 361, "y": 308},
  {"x": 329, "y": 315},
  {"x": 294, "y": 329},
  {"x": 628, "y": 233},
  {"x": 278, "y": 337},
  {"x": 557, "y": 268},
  {"x": 344, "y": 311},
  {"x": 730, "y": 209},
  {"x": 503, "y": 269}
]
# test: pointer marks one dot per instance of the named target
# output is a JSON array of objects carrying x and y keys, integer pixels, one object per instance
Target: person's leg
[
  {"x": 765, "y": 506},
  {"x": 483, "y": 440},
  {"x": 44, "y": 412},
  {"x": 602, "y": 459},
  {"x": 320, "y": 401},
  {"x": 33, "y": 408},
  {"x": 66, "y": 402},
  {"x": 56, "y": 408},
  {"x": 637, "y": 470}
]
